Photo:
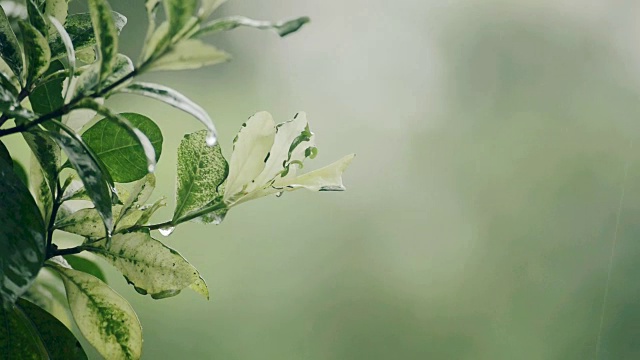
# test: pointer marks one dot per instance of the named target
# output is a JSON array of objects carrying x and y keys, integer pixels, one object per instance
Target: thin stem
[
  {"x": 176, "y": 222},
  {"x": 69, "y": 251},
  {"x": 68, "y": 107},
  {"x": 21, "y": 96}
]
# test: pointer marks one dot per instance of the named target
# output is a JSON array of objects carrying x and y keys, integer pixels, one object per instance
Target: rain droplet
[
  {"x": 211, "y": 138},
  {"x": 279, "y": 193},
  {"x": 167, "y": 231},
  {"x": 151, "y": 168}
]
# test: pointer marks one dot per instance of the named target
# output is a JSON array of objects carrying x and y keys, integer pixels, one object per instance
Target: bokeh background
[{"x": 494, "y": 197}]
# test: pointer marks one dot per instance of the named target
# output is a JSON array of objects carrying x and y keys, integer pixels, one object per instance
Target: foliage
[{"x": 96, "y": 180}]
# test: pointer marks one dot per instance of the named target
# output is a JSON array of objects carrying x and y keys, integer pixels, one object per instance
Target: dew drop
[
  {"x": 279, "y": 193},
  {"x": 151, "y": 168},
  {"x": 167, "y": 231},
  {"x": 211, "y": 138}
]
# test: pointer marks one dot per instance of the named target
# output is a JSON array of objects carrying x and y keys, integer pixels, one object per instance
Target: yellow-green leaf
[
  {"x": 189, "y": 54},
  {"x": 147, "y": 264},
  {"x": 105, "y": 318}
]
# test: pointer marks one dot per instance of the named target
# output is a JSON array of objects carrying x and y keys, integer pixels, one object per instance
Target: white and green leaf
[
  {"x": 105, "y": 318},
  {"x": 173, "y": 98},
  {"x": 178, "y": 13},
  {"x": 282, "y": 28},
  {"x": 106, "y": 35},
  {"x": 9, "y": 47},
  {"x": 37, "y": 52},
  {"x": 151, "y": 267},
  {"x": 189, "y": 54}
]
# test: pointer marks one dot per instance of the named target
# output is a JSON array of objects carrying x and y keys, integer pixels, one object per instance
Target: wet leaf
[
  {"x": 282, "y": 28},
  {"x": 201, "y": 170},
  {"x": 37, "y": 53},
  {"x": 131, "y": 148},
  {"x": 105, "y": 318},
  {"x": 151, "y": 267},
  {"x": 189, "y": 54}
]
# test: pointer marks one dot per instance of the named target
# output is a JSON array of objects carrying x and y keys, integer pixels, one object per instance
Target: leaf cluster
[{"x": 95, "y": 178}]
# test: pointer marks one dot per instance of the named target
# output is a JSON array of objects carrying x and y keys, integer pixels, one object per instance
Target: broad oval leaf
[
  {"x": 47, "y": 97},
  {"x": 106, "y": 34},
  {"x": 121, "y": 151},
  {"x": 147, "y": 264},
  {"x": 47, "y": 292},
  {"x": 173, "y": 98},
  {"x": 22, "y": 247},
  {"x": 80, "y": 30},
  {"x": 201, "y": 170},
  {"x": 37, "y": 53},
  {"x": 89, "y": 170},
  {"x": 189, "y": 54},
  {"x": 57, "y": 339},
  {"x": 105, "y": 318},
  {"x": 282, "y": 28},
  {"x": 9, "y": 46}
]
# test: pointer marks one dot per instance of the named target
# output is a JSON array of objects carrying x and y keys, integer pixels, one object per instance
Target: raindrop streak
[
  {"x": 167, "y": 231},
  {"x": 279, "y": 193},
  {"x": 211, "y": 138}
]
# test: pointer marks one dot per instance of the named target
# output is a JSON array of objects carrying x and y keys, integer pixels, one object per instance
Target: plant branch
[{"x": 68, "y": 107}]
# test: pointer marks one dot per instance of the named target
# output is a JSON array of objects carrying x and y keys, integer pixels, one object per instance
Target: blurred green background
[{"x": 492, "y": 141}]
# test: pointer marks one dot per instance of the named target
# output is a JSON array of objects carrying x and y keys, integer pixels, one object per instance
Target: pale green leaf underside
[
  {"x": 173, "y": 98},
  {"x": 151, "y": 267},
  {"x": 282, "y": 28},
  {"x": 105, "y": 318},
  {"x": 189, "y": 54},
  {"x": 201, "y": 169},
  {"x": 289, "y": 144}
]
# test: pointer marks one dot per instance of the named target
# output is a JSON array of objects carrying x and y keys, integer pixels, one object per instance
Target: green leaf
[
  {"x": 178, "y": 13},
  {"x": 140, "y": 193},
  {"x": 106, "y": 34},
  {"x": 128, "y": 155},
  {"x": 36, "y": 19},
  {"x": 151, "y": 267},
  {"x": 80, "y": 30},
  {"x": 42, "y": 192},
  {"x": 105, "y": 318},
  {"x": 48, "y": 96},
  {"x": 37, "y": 53},
  {"x": 173, "y": 98},
  {"x": 18, "y": 337},
  {"x": 21, "y": 173},
  {"x": 85, "y": 265},
  {"x": 189, "y": 54},
  {"x": 57, "y": 339},
  {"x": 4, "y": 153},
  {"x": 89, "y": 170},
  {"x": 201, "y": 169},
  {"x": 71, "y": 53},
  {"x": 57, "y": 9},
  {"x": 22, "y": 247},
  {"x": 8, "y": 90},
  {"x": 9, "y": 47},
  {"x": 282, "y": 28}
]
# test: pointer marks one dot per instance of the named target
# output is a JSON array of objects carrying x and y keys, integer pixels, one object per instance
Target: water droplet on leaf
[
  {"x": 279, "y": 193},
  {"x": 151, "y": 168},
  {"x": 167, "y": 231},
  {"x": 211, "y": 139}
]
